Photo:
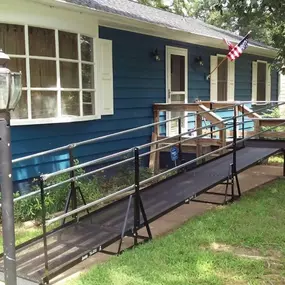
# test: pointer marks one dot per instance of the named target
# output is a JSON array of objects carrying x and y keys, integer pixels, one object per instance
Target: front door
[{"x": 176, "y": 85}]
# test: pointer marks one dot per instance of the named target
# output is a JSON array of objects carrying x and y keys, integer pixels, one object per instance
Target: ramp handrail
[
  {"x": 47, "y": 176},
  {"x": 74, "y": 145},
  {"x": 73, "y": 179},
  {"x": 82, "y": 208}
]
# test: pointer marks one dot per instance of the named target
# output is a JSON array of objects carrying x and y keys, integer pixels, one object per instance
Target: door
[{"x": 176, "y": 85}]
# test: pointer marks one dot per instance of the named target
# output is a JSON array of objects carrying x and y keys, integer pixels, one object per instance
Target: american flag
[{"x": 236, "y": 51}]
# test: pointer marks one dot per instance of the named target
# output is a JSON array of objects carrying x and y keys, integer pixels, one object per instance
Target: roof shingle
[{"x": 134, "y": 10}]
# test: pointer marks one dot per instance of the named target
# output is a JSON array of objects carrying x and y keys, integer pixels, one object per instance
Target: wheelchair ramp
[{"x": 75, "y": 242}]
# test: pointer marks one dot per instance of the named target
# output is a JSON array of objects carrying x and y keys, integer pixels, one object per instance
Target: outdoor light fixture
[
  {"x": 155, "y": 54},
  {"x": 10, "y": 85},
  {"x": 10, "y": 93},
  {"x": 199, "y": 60}
]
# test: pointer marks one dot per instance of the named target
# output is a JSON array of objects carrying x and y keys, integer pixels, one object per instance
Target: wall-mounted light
[
  {"x": 199, "y": 60},
  {"x": 155, "y": 55}
]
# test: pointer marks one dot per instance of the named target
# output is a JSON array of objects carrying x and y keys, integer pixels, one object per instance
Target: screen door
[{"x": 176, "y": 85}]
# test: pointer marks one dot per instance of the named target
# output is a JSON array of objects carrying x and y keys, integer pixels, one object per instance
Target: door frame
[{"x": 169, "y": 50}]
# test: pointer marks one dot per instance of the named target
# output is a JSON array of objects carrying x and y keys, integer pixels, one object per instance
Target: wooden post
[
  {"x": 199, "y": 132},
  {"x": 223, "y": 139},
  {"x": 257, "y": 128},
  {"x": 156, "y": 156}
]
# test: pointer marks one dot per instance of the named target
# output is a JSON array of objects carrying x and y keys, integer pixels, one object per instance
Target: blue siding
[{"x": 139, "y": 82}]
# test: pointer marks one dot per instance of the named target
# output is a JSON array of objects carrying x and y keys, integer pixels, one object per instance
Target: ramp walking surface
[{"x": 77, "y": 241}]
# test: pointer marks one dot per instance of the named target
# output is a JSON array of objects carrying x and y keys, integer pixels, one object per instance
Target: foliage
[
  {"x": 239, "y": 244},
  {"x": 274, "y": 113},
  {"x": 265, "y": 18},
  {"x": 92, "y": 188}
]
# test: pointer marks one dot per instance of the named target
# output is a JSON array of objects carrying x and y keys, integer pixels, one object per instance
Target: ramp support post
[
  {"x": 72, "y": 183},
  {"x": 45, "y": 278},
  {"x": 138, "y": 204},
  {"x": 234, "y": 167},
  {"x": 136, "y": 199},
  {"x": 180, "y": 146}
]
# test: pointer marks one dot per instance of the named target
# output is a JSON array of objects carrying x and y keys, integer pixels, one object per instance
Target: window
[
  {"x": 58, "y": 72},
  {"x": 222, "y": 87},
  {"x": 222, "y": 79},
  {"x": 261, "y": 81}
]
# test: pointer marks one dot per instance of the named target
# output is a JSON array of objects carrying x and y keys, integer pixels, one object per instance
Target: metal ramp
[
  {"x": 46, "y": 256},
  {"x": 75, "y": 242}
]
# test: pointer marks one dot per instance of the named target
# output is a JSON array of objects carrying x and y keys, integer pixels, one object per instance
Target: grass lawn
[{"x": 243, "y": 243}]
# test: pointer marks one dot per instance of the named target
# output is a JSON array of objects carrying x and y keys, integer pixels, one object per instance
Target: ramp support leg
[
  {"x": 138, "y": 204},
  {"x": 46, "y": 274},
  {"x": 284, "y": 162},
  {"x": 124, "y": 225}
]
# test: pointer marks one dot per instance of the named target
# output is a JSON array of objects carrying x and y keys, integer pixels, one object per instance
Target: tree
[{"x": 265, "y": 18}]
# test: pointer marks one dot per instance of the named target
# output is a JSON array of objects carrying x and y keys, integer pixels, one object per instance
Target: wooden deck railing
[{"x": 217, "y": 135}]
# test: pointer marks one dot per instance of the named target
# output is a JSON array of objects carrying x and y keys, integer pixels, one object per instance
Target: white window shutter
[
  {"x": 254, "y": 82},
  {"x": 231, "y": 81},
  {"x": 214, "y": 78},
  {"x": 105, "y": 76},
  {"x": 268, "y": 82}
]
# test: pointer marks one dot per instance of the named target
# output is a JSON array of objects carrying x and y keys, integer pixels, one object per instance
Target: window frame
[
  {"x": 267, "y": 79},
  {"x": 230, "y": 79},
  {"x": 29, "y": 89}
]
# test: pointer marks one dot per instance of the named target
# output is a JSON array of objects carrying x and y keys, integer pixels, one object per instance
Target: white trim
[
  {"x": 70, "y": 119},
  {"x": 267, "y": 82},
  {"x": 80, "y": 76},
  {"x": 172, "y": 50},
  {"x": 57, "y": 74},
  {"x": 28, "y": 71}
]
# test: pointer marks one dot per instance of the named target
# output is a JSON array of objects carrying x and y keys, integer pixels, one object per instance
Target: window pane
[
  {"x": 69, "y": 75},
  {"x": 261, "y": 81},
  {"x": 43, "y": 73},
  {"x": 70, "y": 103},
  {"x": 222, "y": 91},
  {"x": 87, "y": 103},
  {"x": 68, "y": 47},
  {"x": 21, "y": 111},
  {"x": 16, "y": 65},
  {"x": 87, "y": 109},
  {"x": 86, "y": 48},
  {"x": 87, "y": 76},
  {"x": 261, "y": 72},
  {"x": 44, "y": 104},
  {"x": 42, "y": 42},
  {"x": 222, "y": 80},
  {"x": 12, "y": 39},
  {"x": 177, "y": 73},
  {"x": 87, "y": 97}
]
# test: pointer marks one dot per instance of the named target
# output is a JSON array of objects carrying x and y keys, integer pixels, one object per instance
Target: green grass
[{"x": 253, "y": 226}]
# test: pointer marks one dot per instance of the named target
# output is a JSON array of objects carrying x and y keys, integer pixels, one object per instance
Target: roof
[{"x": 136, "y": 11}]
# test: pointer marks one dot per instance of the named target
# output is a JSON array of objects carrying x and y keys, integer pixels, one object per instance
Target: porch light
[
  {"x": 156, "y": 55},
  {"x": 10, "y": 85},
  {"x": 10, "y": 92}
]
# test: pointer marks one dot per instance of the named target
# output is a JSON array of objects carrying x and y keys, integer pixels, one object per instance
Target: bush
[{"x": 92, "y": 188}]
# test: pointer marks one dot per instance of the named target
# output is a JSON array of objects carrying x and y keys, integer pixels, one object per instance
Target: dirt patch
[{"x": 274, "y": 258}]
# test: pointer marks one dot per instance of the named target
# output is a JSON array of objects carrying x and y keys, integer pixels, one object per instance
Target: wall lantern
[
  {"x": 10, "y": 93},
  {"x": 155, "y": 55},
  {"x": 10, "y": 85},
  {"x": 199, "y": 60}
]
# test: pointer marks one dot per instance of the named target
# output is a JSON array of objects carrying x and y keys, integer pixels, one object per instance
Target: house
[{"x": 93, "y": 67}]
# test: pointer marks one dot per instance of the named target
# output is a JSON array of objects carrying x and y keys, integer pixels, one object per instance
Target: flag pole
[{"x": 225, "y": 58}]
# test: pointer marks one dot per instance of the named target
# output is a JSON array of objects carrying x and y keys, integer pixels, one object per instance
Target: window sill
[{"x": 47, "y": 121}]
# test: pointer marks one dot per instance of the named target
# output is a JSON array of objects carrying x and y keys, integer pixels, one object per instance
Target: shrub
[{"x": 93, "y": 188}]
